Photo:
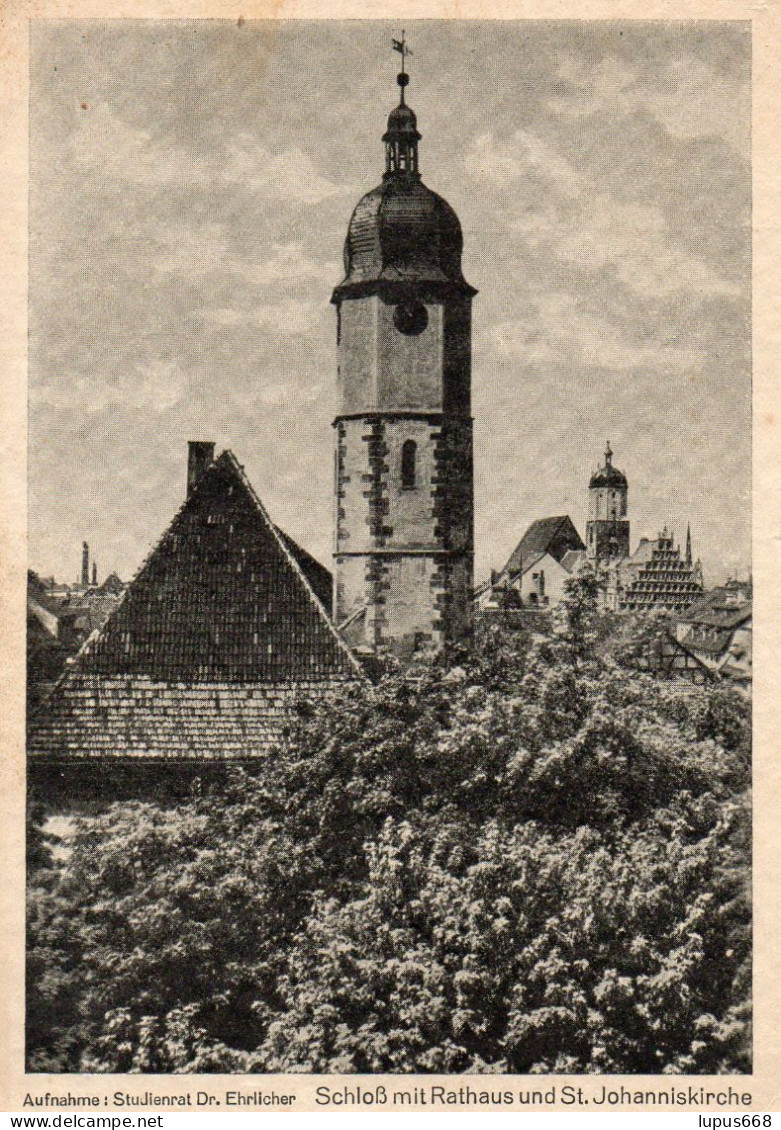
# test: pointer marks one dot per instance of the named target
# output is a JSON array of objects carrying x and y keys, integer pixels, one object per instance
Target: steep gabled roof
[
  {"x": 37, "y": 593},
  {"x": 213, "y": 640},
  {"x": 111, "y": 586},
  {"x": 318, "y": 576},
  {"x": 222, "y": 597},
  {"x": 555, "y": 536}
]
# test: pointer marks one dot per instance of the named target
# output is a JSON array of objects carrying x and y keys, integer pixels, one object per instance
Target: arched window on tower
[{"x": 408, "y": 455}]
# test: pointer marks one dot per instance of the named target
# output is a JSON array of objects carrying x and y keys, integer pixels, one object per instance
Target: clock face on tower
[{"x": 410, "y": 318}]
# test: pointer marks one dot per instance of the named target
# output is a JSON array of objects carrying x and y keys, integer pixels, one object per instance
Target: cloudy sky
[{"x": 191, "y": 185}]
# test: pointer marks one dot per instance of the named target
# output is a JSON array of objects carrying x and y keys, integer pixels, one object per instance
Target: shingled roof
[
  {"x": 221, "y": 597},
  {"x": 555, "y": 536},
  {"x": 218, "y": 628},
  {"x": 721, "y": 608},
  {"x": 318, "y": 576}
]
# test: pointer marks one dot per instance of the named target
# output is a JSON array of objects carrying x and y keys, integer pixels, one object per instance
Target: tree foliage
[{"x": 525, "y": 858}]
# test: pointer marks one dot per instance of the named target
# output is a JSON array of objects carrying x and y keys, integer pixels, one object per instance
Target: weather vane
[{"x": 400, "y": 45}]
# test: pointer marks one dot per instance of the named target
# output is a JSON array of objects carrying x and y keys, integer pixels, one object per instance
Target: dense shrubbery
[{"x": 526, "y": 859}]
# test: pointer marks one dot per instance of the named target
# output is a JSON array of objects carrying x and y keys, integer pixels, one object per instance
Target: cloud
[
  {"x": 161, "y": 384},
  {"x": 556, "y": 330},
  {"x": 196, "y": 250},
  {"x": 583, "y": 89},
  {"x": 286, "y": 316},
  {"x": 695, "y": 101},
  {"x": 554, "y": 210},
  {"x": 193, "y": 250},
  {"x": 279, "y": 175},
  {"x": 102, "y": 141},
  {"x": 685, "y": 96},
  {"x": 284, "y": 263},
  {"x": 522, "y": 339},
  {"x": 524, "y": 154},
  {"x": 154, "y": 386},
  {"x": 632, "y": 238}
]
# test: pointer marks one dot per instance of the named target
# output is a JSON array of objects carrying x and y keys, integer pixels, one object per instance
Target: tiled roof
[
  {"x": 718, "y": 609},
  {"x": 217, "y": 632},
  {"x": 547, "y": 535},
  {"x": 320, "y": 578},
  {"x": 38, "y": 594},
  {"x": 112, "y": 585},
  {"x": 133, "y": 716},
  {"x": 220, "y": 597},
  {"x": 99, "y": 608}
]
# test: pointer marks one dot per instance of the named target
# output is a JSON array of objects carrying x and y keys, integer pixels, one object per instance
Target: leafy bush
[{"x": 526, "y": 858}]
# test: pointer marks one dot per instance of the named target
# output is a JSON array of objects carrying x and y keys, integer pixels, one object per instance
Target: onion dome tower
[
  {"x": 404, "y": 510},
  {"x": 607, "y": 529}
]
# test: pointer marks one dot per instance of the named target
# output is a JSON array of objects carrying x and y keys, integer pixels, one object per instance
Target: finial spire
[
  {"x": 608, "y": 454},
  {"x": 402, "y": 78},
  {"x": 688, "y": 543},
  {"x": 401, "y": 137}
]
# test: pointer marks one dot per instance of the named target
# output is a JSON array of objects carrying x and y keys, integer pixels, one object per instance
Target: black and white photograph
[{"x": 389, "y": 591}]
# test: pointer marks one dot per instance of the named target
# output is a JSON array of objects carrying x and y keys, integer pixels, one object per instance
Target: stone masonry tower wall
[
  {"x": 403, "y": 467},
  {"x": 607, "y": 529}
]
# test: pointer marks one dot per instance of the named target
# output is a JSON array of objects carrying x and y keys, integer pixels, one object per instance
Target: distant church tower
[
  {"x": 607, "y": 529},
  {"x": 404, "y": 496}
]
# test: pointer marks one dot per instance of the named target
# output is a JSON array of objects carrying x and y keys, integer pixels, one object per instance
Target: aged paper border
[{"x": 765, "y": 16}]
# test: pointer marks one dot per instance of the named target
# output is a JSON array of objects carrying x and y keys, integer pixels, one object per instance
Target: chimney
[
  {"x": 85, "y": 564},
  {"x": 94, "y": 572},
  {"x": 200, "y": 456}
]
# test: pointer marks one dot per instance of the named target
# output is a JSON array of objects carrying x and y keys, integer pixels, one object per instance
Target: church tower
[
  {"x": 607, "y": 529},
  {"x": 403, "y": 482}
]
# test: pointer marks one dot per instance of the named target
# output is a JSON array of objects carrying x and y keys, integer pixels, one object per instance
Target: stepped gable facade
[
  {"x": 221, "y": 628},
  {"x": 658, "y": 577},
  {"x": 655, "y": 576}
]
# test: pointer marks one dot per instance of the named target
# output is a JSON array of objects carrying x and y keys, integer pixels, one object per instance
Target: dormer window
[{"x": 408, "y": 456}]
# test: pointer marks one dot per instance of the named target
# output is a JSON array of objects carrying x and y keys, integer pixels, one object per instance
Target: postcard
[{"x": 390, "y": 460}]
